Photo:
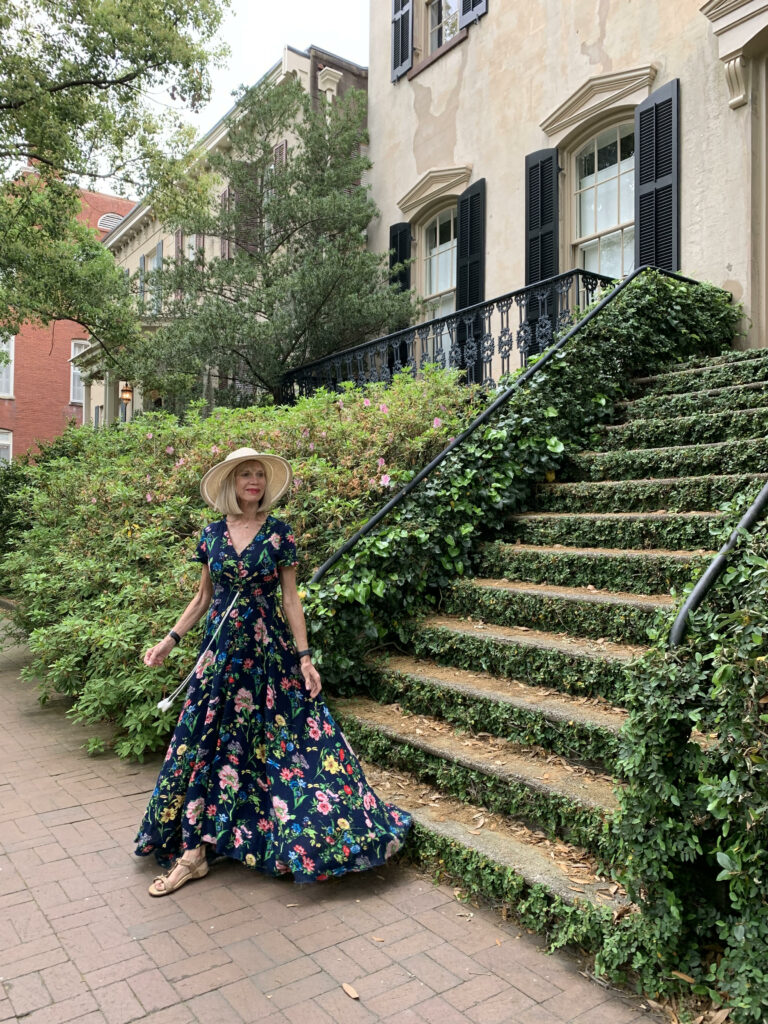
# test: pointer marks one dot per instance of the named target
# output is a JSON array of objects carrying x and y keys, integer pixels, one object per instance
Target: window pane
[
  {"x": 590, "y": 256},
  {"x": 629, "y": 250},
  {"x": 627, "y": 146},
  {"x": 585, "y": 166},
  {"x": 6, "y": 370},
  {"x": 445, "y": 228},
  {"x": 429, "y": 277},
  {"x": 610, "y": 254},
  {"x": 607, "y": 204},
  {"x": 431, "y": 234},
  {"x": 627, "y": 204},
  {"x": 6, "y": 445},
  {"x": 586, "y": 212},
  {"x": 445, "y": 265},
  {"x": 607, "y": 154}
]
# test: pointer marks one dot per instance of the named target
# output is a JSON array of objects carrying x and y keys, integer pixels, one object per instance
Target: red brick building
[{"x": 40, "y": 391}]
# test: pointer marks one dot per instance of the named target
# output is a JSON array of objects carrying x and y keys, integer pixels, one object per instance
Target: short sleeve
[
  {"x": 203, "y": 547},
  {"x": 286, "y": 556}
]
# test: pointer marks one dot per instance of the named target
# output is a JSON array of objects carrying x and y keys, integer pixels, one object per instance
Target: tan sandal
[{"x": 188, "y": 874}]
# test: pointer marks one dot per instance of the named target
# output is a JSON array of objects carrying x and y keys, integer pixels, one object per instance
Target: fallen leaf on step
[
  {"x": 291, "y": 904},
  {"x": 718, "y": 1016},
  {"x": 684, "y": 977},
  {"x": 378, "y": 938},
  {"x": 351, "y": 992}
]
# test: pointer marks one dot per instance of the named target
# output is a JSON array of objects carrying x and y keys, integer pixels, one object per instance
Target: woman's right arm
[{"x": 192, "y": 614}]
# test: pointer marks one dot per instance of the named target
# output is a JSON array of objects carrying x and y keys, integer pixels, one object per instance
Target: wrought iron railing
[
  {"x": 715, "y": 569},
  {"x": 485, "y": 416},
  {"x": 528, "y": 319}
]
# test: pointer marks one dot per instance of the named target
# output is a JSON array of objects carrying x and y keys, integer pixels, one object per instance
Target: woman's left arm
[{"x": 294, "y": 613}]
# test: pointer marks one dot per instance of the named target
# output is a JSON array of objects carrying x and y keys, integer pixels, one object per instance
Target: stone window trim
[
  {"x": 417, "y": 69},
  {"x": 435, "y": 189},
  {"x": 6, "y": 445},
  {"x": 76, "y": 386},
  {"x": 7, "y": 368}
]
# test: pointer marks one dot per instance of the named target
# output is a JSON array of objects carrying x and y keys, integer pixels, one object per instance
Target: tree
[
  {"x": 76, "y": 78},
  {"x": 294, "y": 280}
]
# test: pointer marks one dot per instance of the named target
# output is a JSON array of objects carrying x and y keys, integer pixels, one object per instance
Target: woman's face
[{"x": 250, "y": 482}]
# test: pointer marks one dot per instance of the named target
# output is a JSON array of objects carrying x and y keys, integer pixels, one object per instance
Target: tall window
[
  {"x": 443, "y": 20},
  {"x": 604, "y": 202},
  {"x": 76, "y": 391},
  {"x": 6, "y": 370},
  {"x": 6, "y": 445},
  {"x": 440, "y": 262}
]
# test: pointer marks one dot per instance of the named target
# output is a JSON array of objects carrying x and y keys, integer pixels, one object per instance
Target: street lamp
[{"x": 126, "y": 394}]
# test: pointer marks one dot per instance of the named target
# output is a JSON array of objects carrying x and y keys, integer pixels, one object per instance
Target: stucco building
[
  {"x": 512, "y": 142},
  {"x": 40, "y": 389}
]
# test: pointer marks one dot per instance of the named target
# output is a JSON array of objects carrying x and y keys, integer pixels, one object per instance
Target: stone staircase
[{"x": 499, "y": 727}]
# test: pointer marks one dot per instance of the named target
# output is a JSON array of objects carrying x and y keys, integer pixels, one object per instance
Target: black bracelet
[
  {"x": 300, "y": 654},
  {"x": 174, "y": 636}
]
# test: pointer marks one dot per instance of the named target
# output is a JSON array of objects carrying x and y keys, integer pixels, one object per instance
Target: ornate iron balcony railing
[{"x": 469, "y": 339}]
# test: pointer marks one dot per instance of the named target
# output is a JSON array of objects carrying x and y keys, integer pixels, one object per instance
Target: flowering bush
[{"x": 99, "y": 532}]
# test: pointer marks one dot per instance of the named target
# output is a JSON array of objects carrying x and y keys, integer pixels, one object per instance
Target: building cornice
[
  {"x": 597, "y": 96},
  {"x": 735, "y": 24}
]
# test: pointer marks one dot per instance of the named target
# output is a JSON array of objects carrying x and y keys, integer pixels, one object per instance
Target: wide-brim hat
[{"x": 278, "y": 470}]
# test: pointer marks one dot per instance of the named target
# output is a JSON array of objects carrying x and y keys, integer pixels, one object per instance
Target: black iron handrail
[
  {"x": 716, "y": 568},
  {"x": 486, "y": 414}
]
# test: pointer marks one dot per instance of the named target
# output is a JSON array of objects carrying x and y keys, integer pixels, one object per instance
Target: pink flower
[
  {"x": 248, "y": 663},
  {"x": 180, "y": 462},
  {"x": 260, "y": 632},
  {"x": 383, "y": 407},
  {"x": 150, "y": 436},
  {"x": 205, "y": 660},
  {"x": 311, "y": 446},
  {"x": 274, "y": 540},
  {"x": 149, "y": 496},
  {"x": 323, "y": 803},
  {"x": 341, "y": 403},
  {"x": 369, "y": 801},
  {"x": 372, "y": 481},
  {"x": 270, "y": 696},
  {"x": 93, "y": 501},
  {"x": 215, "y": 449},
  {"x": 437, "y": 422},
  {"x": 309, "y": 865},
  {"x": 228, "y": 778},
  {"x": 169, "y": 450},
  {"x": 194, "y": 810},
  {"x": 238, "y": 836},
  {"x": 381, "y": 463},
  {"x": 243, "y": 700},
  {"x": 286, "y": 774},
  {"x": 280, "y": 808},
  {"x": 366, "y": 402},
  {"x": 314, "y": 729},
  {"x": 263, "y": 825},
  {"x": 327, "y": 728},
  {"x": 384, "y": 479}
]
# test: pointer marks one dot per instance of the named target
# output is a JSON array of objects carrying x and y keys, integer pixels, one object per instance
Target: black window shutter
[
  {"x": 400, "y": 252},
  {"x": 471, "y": 10},
  {"x": 541, "y": 215},
  {"x": 657, "y": 179},
  {"x": 470, "y": 274},
  {"x": 159, "y": 255},
  {"x": 470, "y": 246},
  {"x": 402, "y": 37}
]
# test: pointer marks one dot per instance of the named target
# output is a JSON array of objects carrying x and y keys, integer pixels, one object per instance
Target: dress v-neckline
[{"x": 239, "y": 554}]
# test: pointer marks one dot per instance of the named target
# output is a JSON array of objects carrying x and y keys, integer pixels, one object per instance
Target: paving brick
[
  {"x": 437, "y": 1011},
  {"x": 303, "y": 989},
  {"x": 477, "y": 989},
  {"x": 372, "y": 985},
  {"x": 538, "y": 1015},
  {"x": 500, "y": 1009},
  {"x": 47, "y": 952},
  {"x": 343, "y": 1010},
  {"x": 163, "y": 949},
  {"x": 61, "y": 1013},
  {"x": 277, "y": 947},
  {"x": 337, "y": 964},
  {"x": 454, "y": 960},
  {"x": 120, "y": 971},
  {"x": 575, "y": 1000},
  {"x": 249, "y": 1001},
  {"x": 368, "y": 954},
  {"x": 248, "y": 955},
  {"x": 193, "y": 939},
  {"x": 192, "y": 965},
  {"x": 6, "y": 1010},
  {"x": 431, "y": 973},
  {"x": 308, "y": 1012},
  {"x": 502, "y": 961},
  {"x": 118, "y": 1003},
  {"x": 152, "y": 990},
  {"x": 27, "y": 993},
  {"x": 64, "y": 981},
  {"x": 399, "y": 999},
  {"x": 285, "y": 974},
  {"x": 208, "y": 981},
  {"x": 609, "y": 1012},
  {"x": 212, "y": 1006}
]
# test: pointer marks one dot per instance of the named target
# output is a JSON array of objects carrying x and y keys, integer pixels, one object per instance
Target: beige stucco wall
[{"x": 482, "y": 103}]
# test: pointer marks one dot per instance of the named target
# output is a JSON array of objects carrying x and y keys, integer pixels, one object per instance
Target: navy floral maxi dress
[{"x": 256, "y": 767}]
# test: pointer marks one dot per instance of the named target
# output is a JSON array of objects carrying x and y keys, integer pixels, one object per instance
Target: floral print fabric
[{"x": 256, "y": 767}]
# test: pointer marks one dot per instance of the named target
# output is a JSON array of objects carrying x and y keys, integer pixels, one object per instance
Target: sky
[{"x": 256, "y": 32}]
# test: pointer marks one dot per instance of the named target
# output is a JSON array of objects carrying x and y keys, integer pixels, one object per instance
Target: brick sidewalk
[{"x": 81, "y": 940}]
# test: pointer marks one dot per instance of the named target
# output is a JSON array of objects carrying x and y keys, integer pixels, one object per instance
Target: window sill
[{"x": 423, "y": 64}]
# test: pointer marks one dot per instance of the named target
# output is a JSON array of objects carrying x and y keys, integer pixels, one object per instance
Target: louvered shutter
[
  {"x": 178, "y": 243},
  {"x": 402, "y": 37},
  {"x": 541, "y": 215},
  {"x": 657, "y": 179},
  {"x": 400, "y": 252},
  {"x": 470, "y": 272},
  {"x": 157, "y": 290},
  {"x": 142, "y": 274},
  {"x": 471, "y": 10},
  {"x": 224, "y": 241}
]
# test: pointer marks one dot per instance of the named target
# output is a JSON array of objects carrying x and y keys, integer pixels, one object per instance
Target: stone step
[
  {"x": 672, "y": 494},
  {"x": 701, "y": 428},
  {"x": 704, "y": 376},
  {"x": 645, "y": 571},
  {"x": 729, "y": 355},
  {"x": 583, "y": 729},
  {"x": 454, "y": 829},
  {"x": 564, "y": 799},
  {"x": 736, "y": 396},
  {"x": 720, "y": 458},
  {"x": 617, "y": 529},
  {"x": 578, "y": 611},
  {"x": 582, "y": 667}
]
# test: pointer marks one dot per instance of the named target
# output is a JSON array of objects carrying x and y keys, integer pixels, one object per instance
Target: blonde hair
[{"x": 226, "y": 499}]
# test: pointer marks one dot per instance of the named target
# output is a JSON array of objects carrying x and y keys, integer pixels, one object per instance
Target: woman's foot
[{"x": 191, "y": 865}]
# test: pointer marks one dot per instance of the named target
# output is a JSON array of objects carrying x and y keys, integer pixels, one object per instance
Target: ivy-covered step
[
  {"x": 578, "y": 611},
  {"x": 551, "y": 886},
  {"x": 617, "y": 529},
  {"x": 674, "y": 494},
  {"x": 701, "y": 428},
  {"x": 637, "y": 572},
  {"x": 582, "y": 729},
  {"x": 721, "y": 458},
  {"x": 737, "y": 396},
  {"x": 699, "y": 378},
  {"x": 566, "y": 800},
  {"x": 728, "y": 355},
  {"x": 581, "y": 667}
]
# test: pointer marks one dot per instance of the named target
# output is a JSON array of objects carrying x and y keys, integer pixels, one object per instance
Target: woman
[{"x": 257, "y": 768}]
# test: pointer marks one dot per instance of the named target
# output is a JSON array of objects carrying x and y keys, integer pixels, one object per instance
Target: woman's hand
[
  {"x": 156, "y": 655},
  {"x": 311, "y": 677}
]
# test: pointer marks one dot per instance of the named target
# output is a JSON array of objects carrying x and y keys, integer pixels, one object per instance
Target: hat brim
[{"x": 278, "y": 470}]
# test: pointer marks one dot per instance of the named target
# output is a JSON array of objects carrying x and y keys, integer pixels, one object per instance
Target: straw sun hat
[{"x": 279, "y": 476}]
